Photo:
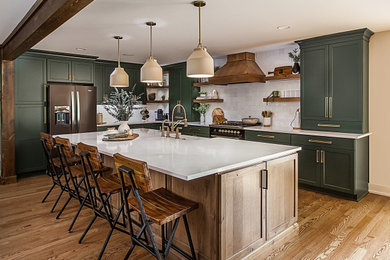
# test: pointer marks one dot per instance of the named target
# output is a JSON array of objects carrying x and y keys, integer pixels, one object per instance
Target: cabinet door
[
  {"x": 281, "y": 194},
  {"x": 99, "y": 82},
  {"x": 242, "y": 212},
  {"x": 175, "y": 93},
  {"x": 108, "y": 69},
  {"x": 82, "y": 72},
  {"x": 309, "y": 166},
  {"x": 345, "y": 78},
  {"x": 314, "y": 83},
  {"x": 338, "y": 170},
  {"x": 30, "y": 113},
  {"x": 59, "y": 70}
]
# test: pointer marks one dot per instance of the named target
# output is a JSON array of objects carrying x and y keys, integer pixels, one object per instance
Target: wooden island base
[{"x": 239, "y": 211}]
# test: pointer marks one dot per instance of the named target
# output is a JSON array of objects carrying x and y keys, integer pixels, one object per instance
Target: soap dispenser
[{"x": 296, "y": 122}]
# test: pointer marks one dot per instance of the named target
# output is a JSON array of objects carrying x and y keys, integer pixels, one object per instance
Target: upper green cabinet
[
  {"x": 76, "y": 71},
  {"x": 334, "y": 82},
  {"x": 181, "y": 91}
]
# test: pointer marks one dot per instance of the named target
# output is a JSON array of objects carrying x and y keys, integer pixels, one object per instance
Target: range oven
[{"x": 229, "y": 129}]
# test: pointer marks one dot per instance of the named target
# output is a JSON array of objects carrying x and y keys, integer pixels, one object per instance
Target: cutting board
[{"x": 218, "y": 116}]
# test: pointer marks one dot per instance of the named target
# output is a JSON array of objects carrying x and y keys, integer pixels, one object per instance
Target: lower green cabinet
[
  {"x": 267, "y": 137},
  {"x": 309, "y": 168},
  {"x": 202, "y": 131}
]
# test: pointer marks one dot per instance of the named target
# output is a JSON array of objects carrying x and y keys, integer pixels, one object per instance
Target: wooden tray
[{"x": 130, "y": 137}]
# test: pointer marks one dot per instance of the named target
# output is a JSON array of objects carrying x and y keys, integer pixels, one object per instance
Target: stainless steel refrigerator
[{"x": 71, "y": 108}]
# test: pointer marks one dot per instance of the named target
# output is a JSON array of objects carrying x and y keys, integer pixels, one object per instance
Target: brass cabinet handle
[
  {"x": 330, "y": 107},
  {"x": 329, "y": 125},
  {"x": 319, "y": 141},
  {"x": 317, "y": 156},
  {"x": 264, "y": 179},
  {"x": 326, "y": 107},
  {"x": 322, "y": 156},
  {"x": 70, "y": 77},
  {"x": 267, "y": 136},
  {"x": 44, "y": 115},
  {"x": 195, "y": 129},
  {"x": 44, "y": 93}
]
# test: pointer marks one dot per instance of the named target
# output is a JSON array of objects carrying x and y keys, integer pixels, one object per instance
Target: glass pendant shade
[
  {"x": 200, "y": 64},
  {"x": 151, "y": 71},
  {"x": 119, "y": 78}
]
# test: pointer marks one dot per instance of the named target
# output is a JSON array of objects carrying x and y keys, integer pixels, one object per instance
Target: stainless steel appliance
[
  {"x": 228, "y": 129},
  {"x": 71, "y": 108},
  {"x": 160, "y": 115}
]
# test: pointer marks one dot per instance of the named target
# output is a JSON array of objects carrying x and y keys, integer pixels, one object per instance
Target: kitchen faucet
[{"x": 174, "y": 128}]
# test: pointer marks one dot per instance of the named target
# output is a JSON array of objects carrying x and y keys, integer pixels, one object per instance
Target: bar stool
[
  {"x": 159, "y": 206},
  {"x": 52, "y": 170},
  {"x": 101, "y": 188}
]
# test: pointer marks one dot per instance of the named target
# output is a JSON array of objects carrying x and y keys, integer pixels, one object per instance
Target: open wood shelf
[
  {"x": 208, "y": 100},
  {"x": 287, "y": 99},
  {"x": 157, "y": 86},
  {"x": 157, "y": 101},
  {"x": 283, "y": 77}
]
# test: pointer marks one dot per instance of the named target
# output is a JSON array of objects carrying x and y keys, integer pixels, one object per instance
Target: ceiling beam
[{"x": 43, "y": 18}]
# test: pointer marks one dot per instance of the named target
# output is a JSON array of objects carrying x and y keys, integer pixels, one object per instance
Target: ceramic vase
[
  {"x": 202, "y": 118},
  {"x": 296, "y": 68},
  {"x": 123, "y": 127}
]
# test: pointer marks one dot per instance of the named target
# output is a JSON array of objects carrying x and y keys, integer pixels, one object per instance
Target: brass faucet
[{"x": 173, "y": 127}]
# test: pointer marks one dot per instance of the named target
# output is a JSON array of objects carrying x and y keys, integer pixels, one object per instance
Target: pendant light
[
  {"x": 151, "y": 72},
  {"x": 119, "y": 77},
  {"x": 200, "y": 64}
]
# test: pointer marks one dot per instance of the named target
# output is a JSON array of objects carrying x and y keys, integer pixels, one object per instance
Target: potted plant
[
  {"x": 202, "y": 109},
  {"x": 163, "y": 97},
  {"x": 203, "y": 94},
  {"x": 120, "y": 105},
  {"x": 296, "y": 57}
]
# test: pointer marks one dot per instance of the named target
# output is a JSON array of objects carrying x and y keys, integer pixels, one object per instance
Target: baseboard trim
[
  {"x": 379, "y": 189},
  {"x": 8, "y": 180}
]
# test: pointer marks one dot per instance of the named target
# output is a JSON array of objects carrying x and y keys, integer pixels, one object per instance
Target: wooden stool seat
[
  {"x": 78, "y": 171},
  {"x": 162, "y": 206},
  {"x": 109, "y": 184},
  {"x": 71, "y": 161}
]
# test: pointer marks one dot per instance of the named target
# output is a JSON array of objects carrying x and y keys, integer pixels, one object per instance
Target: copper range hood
[{"x": 239, "y": 68}]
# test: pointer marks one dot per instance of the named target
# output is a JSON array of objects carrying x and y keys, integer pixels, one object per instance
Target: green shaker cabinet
[
  {"x": 334, "y": 82},
  {"x": 30, "y": 112},
  {"x": 65, "y": 70}
]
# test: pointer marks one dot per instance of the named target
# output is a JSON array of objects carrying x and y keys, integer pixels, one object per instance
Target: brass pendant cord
[
  {"x": 151, "y": 42},
  {"x": 119, "y": 56},
  {"x": 200, "y": 29}
]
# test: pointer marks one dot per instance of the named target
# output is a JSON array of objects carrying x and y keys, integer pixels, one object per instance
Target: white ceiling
[
  {"x": 228, "y": 26},
  {"x": 11, "y": 12}
]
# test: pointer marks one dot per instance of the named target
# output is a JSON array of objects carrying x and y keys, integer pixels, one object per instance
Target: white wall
[
  {"x": 243, "y": 100},
  {"x": 379, "y": 113}
]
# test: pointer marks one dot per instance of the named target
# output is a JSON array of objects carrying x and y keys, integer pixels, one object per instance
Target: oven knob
[{"x": 219, "y": 130}]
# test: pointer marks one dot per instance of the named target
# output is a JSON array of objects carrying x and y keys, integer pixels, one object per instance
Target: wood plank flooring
[{"x": 329, "y": 228}]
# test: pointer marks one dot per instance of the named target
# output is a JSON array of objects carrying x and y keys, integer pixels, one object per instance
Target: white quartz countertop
[
  {"x": 290, "y": 130},
  {"x": 152, "y": 122},
  {"x": 187, "y": 158}
]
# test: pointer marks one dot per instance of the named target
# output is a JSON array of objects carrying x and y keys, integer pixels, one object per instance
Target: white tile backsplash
[{"x": 243, "y": 100}]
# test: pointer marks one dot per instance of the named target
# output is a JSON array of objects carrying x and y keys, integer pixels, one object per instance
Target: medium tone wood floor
[{"x": 329, "y": 228}]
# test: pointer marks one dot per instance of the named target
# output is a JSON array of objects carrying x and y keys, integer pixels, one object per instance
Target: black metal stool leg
[
  {"x": 63, "y": 207},
  {"x": 55, "y": 203},
  {"x": 77, "y": 213},
  {"x": 47, "y": 194},
  {"x": 87, "y": 229},
  {"x": 189, "y": 237},
  {"x": 169, "y": 243}
]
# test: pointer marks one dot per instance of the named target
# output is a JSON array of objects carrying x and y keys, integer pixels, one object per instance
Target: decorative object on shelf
[
  {"x": 145, "y": 113},
  {"x": 214, "y": 94},
  {"x": 151, "y": 71},
  {"x": 200, "y": 64},
  {"x": 119, "y": 78},
  {"x": 120, "y": 137},
  {"x": 120, "y": 105},
  {"x": 250, "y": 120},
  {"x": 296, "y": 57},
  {"x": 274, "y": 94},
  {"x": 202, "y": 109},
  {"x": 99, "y": 118},
  {"x": 218, "y": 116},
  {"x": 151, "y": 96},
  {"x": 296, "y": 122},
  {"x": 202, "y": 94},
  {"x": 163, "y": 97},
  {"x": 280, "y": 71},
  {"x": 165, "y": 78},
  {"x": 267, "y": 115}
]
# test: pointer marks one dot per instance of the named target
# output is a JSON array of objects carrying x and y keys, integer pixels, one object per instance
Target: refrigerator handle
[
  {"x": 73, "y": 107},
  {"x": 78, "y": 108}
]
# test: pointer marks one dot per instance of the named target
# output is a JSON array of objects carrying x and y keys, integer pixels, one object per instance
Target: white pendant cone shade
[
  {"x": 151, "y": 71},
  {"x": 200, "y": 64},
  {"x": 119, "y": 78}
]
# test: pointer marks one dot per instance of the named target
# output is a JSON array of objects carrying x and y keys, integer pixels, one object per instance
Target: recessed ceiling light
[
  {"x": 81, "y": 49},
  {"x": 128, "y": 55},
  {"x": 283, "y": 27}
]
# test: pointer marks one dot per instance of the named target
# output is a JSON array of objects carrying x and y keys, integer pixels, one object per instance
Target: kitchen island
[{"x": 247, "y": 191}]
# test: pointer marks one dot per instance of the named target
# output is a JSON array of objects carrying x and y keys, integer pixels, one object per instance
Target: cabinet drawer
[
  {"x": 322, "y": 141},
  {"x": 267, "y": 137},
  {"x": 333, "y": 126},
  {"x": 196, "y": 130}
]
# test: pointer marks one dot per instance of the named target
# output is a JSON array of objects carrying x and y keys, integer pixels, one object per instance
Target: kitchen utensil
[
  {"x": 218, "y": 116},
  {"x": 145, "y": 113},
  {"x": 267, "y": 121},
  {"x": 250, "y": 120},
  {"x": 284, "y": 70}
]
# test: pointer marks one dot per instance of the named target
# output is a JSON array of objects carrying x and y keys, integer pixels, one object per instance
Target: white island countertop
[{"x": 189, "y": 157}]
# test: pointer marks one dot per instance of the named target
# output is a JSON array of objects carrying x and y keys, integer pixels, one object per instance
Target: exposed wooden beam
[{"x": 43, "y": 18}]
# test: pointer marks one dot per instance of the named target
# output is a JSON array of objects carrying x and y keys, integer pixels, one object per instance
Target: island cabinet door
[
  {"x": 281, "y": 195},
  {"x": 242, "y": 212}
]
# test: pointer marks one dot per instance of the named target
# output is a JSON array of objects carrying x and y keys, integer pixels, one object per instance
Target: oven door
[{"x": 227, "y": 133}]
